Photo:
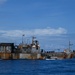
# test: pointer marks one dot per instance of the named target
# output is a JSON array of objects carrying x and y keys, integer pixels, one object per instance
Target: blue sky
[{"x": 51, "y": 19}]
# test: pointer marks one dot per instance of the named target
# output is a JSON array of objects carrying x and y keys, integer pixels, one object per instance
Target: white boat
[
  {"x": 54, "y": 58},
  {"x": 50, "y": 59}
]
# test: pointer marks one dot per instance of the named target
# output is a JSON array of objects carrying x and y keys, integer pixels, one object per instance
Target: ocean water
[{"x": 37, "y": 67}]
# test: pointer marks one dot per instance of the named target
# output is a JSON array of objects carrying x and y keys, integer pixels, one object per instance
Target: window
[{"x": 8, "y": 48}]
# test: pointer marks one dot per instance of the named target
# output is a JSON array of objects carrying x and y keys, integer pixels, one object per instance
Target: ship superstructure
[{"x": 21, "y": 51}]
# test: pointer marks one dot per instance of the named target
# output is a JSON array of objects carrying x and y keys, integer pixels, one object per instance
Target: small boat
[
  {"x": 54, "y": 58},
  {"x": 50, "y": 59}
]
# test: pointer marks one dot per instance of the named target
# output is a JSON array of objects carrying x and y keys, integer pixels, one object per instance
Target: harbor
[
  {"x": 37, "y": 37},
  {"x": 9, "y": 51}
]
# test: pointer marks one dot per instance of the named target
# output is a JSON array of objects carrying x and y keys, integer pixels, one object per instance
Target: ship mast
[
  {"x": 23, "y": 39},
  {"x": 70, "y": 45},
  {"x": 33, "y": 40}
]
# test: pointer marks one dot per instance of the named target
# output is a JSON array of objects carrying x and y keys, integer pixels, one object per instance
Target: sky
[{"x": 51, "y": 21}]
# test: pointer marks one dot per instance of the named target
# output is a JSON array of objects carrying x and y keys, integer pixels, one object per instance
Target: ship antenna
[
  {"x": 22, "y": 38},
  {"x": 70, "y": 45}
]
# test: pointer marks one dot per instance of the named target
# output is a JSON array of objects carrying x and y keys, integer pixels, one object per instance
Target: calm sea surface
[{"x": 37, "y": 67}]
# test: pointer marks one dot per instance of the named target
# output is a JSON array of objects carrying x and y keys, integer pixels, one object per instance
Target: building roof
[{"x": 6, "y": 44}]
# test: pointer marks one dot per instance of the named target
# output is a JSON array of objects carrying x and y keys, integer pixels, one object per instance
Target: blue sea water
[{"x": 37, "y": 67}]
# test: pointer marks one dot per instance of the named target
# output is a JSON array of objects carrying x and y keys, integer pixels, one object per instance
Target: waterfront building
[{"x": 6, "y": 50}]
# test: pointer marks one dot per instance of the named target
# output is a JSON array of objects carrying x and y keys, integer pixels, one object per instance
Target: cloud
[
  {"x": 50, "y": 31},
  {"x": 36, "y": 32},
  {"x": 2, "y": 1}
]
